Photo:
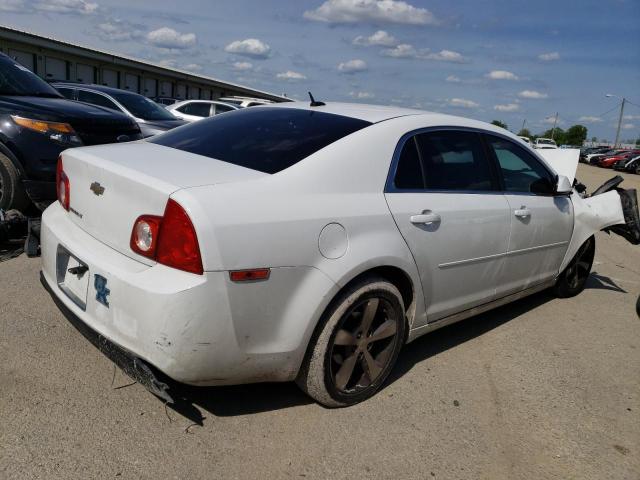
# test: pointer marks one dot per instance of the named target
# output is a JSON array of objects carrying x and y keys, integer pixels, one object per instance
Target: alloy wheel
[
  {"x": 578, "y": 270},
  {"x": 363, "y": 345}
]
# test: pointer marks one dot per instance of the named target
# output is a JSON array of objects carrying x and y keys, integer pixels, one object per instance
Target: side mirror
[{"x": 563, "y": 185}]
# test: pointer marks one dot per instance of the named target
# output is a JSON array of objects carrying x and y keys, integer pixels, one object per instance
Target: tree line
[{"x": 574, "y": 135}]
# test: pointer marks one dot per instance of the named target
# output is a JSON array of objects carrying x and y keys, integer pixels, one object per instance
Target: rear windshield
[{"x": 266, "y": 139}]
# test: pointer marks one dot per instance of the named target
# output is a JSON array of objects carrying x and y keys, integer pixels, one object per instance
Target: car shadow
[
  {"x": 602, "y": 282},
  {"x": 255, "y": 398}
]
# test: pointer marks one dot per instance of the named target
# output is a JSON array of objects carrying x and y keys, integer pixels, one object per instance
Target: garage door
[
  {"x": 166, "y": 89},
  {"x": 23, "y": 58},
  {"x": 194, "y": 92},
  {"x": 150, "y": 87},
  {"x": 55, "y": 69},
  {"x": 85, "y": 73},
  {"x": 132, "y": 82},
  {"x": 181, "y": 91},
  {"x": 110, "y": 78}
]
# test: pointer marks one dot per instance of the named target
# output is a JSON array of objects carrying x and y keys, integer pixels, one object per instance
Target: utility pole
[
  {"x": 523, "y": 123},
  {"x": 555, "y": 122},
  {"x": 619, "y": 121}
]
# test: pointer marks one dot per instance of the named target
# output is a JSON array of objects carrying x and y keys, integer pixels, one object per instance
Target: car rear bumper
[{"x": 197, "y": 329}]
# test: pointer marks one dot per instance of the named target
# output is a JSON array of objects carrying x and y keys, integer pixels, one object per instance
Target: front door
[
  {"x": 445, "y": 200},
  {"x": 541, "y": 222}
]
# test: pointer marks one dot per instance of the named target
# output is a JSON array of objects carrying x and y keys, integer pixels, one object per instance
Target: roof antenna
[{"x": 313, "y": 101}]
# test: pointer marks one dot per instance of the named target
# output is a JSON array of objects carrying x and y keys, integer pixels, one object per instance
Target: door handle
[
  {"x": 522, "y": 212},
  {"x": 427, "y": 217}
]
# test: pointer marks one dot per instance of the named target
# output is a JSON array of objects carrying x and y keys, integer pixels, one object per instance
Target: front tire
[
  {"x": 572, "y": 280},
  {"x": 12, "y": 194},
  {"x": 358, "y": 343}
]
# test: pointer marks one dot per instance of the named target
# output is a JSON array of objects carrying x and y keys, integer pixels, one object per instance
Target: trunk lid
[{"x": 111, "y": 186}]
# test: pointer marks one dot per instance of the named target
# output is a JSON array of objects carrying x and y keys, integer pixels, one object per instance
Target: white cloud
[
  {"x": 291, "y": 76},
  {"x": 192, "y": 67},
  {"x": 532, "y": 94},
  {"x": 501, "y": 75},
  {"x": 362, "y": 95},
  {"x": 242, "y": 66},
  {"x": 404, "y": 50},
  {"x": 80, "y": 7},
  {"x": 446, "y": 56},
  {"x": 371, "y": 11},
  {"x": 379, "y": 38},
  {"x": 590, "y": 119},
  {"x": 353, "y": 66},
  {"x": 166, "y": 37},
  {"x": 462, "y": 103},
  {"x": 250, "y": 47},
  {"x": 631, "y": 117},
  {"x": 14, "y": 6},
  {"x": 116, "y": 30},
  {"x": 549, "y": 57},
  {"x": 453, "y": 79},
  {"x": 628, "y": 126},
  {"x": 509, "y": 107},
  {"x": 168, "y": 63}
]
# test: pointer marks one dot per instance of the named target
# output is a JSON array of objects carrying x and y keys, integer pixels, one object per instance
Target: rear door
[
  {"x": 444, "y": 196},
  {"x": 541, "y": 222}
]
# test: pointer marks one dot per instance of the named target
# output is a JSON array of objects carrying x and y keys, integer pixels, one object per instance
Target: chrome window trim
[{"x": 390, "y": 187}]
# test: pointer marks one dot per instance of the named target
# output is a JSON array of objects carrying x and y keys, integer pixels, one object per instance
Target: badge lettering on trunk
[
  {"x": 96, "y": 188},
  {"x": 100, "y": 283}
]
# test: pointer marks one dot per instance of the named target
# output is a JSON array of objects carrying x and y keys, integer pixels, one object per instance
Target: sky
[{"x": 510, "y": 60}]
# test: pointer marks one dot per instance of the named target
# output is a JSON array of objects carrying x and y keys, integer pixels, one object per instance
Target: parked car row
[
  {"x": 617, "y": 158},
  {"x": 39, "y": 120}
]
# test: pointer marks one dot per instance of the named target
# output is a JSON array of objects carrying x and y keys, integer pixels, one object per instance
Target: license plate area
[{"x": 74, "y": 283}]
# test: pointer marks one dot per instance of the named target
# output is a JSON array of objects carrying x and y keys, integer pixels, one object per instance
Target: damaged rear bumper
[{"x": 132, "y": 365}]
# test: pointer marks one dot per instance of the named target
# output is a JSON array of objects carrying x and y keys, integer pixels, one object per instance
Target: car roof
[
  {"x": 369, "y": 113},
  {"x": 91, "y": 86}
]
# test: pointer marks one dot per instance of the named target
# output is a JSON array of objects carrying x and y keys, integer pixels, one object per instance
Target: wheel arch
[{"x": 13, "y": 157}]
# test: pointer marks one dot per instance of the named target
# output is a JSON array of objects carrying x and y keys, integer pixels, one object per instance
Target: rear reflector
[{"x": 249, "y": 275}]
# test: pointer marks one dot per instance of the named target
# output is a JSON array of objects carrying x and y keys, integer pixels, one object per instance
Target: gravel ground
[{"x": 543, "y": 388}]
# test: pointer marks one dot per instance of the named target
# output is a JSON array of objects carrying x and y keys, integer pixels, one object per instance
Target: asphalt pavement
[{"x": 543, "y": 388}]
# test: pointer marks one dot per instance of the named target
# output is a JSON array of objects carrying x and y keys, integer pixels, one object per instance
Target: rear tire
[
  {"x": 574, "y": 277},
  {"x": 358, "y": 343},
  {"x": 12, "y": 193}
]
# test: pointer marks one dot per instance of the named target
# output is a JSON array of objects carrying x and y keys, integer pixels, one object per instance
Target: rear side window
[
  {"x": 96, "y": 99},
  {"x": 196, "y": 109},
  {"x": 409, "y": 171},
  {"x": 67, "y": 92},
  {"x": 454, "y": 160},
  {"x": 266, "y": 139}
]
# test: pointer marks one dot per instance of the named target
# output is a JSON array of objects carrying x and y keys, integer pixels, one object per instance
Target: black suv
[{"x": 36, "y": 124}]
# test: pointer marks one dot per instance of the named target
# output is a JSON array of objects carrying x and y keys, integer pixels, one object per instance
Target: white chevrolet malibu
[{"x": 308, "y": 242}]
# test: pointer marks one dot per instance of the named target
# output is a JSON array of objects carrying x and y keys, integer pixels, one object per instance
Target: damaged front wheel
[{"x": 572, "y": 280}]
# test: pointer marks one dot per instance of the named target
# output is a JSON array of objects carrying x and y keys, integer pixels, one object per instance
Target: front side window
[
  {"x": 268, "y": 139},
  {"x": 222, "y": 108},
  {"x": 142, "y": 107},
  {"x": 520, "y": 171},
  {"x": 454, "y": 160},
  {"x": 66, "y": 92},
  {"x": 96, "y": 99}
]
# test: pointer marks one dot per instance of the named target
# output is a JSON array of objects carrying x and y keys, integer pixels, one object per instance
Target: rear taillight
[
  {"x": 170, "y": 240},
  {"x": 62, "y": 185}
]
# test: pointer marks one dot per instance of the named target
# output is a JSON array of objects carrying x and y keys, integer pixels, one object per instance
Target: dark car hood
[{"x": 60, "y": 110}]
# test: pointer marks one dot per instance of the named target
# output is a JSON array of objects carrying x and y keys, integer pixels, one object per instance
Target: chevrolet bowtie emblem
[{"x": 97, "y": 188}]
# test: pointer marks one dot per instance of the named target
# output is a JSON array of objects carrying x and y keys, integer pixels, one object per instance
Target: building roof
[{"x": 131, "y": 62}]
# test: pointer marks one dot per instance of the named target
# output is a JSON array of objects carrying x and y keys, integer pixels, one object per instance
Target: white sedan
[{"x": 309, "y": 242}]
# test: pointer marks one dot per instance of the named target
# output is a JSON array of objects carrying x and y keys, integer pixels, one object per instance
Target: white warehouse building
[{"x": 53, "y": 59}]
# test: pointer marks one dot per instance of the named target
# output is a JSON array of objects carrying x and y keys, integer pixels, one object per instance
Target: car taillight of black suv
[{"x": 36, "y": 124}]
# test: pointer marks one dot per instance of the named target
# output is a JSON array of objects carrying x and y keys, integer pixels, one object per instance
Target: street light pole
[{"x": 553, "y": 130}]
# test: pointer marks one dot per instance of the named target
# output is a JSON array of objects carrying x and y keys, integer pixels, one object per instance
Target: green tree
[
  {"x": 594, "y": 139},
  {"x": 524, "y": 133},
  {"x": 638, "y": 142},
  {"x": 500, "y": 124},
  {"x": 558, "y": 135},
  {"x": 575, "y": 135}
]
